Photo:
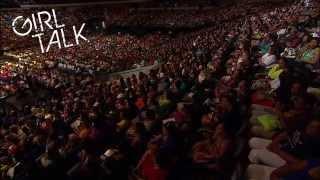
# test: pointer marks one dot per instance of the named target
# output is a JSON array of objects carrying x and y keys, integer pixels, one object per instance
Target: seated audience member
[
  {"x": 288, "y": 148},
  {"x": 269, "y": 58},
  {"x": 211, "y": 152},
  {"x": 310, "y": 54},
  {"x": 306, "y": 169},
  {"x": 148, "y": 167},
  {"x": 228, "y": 114}
]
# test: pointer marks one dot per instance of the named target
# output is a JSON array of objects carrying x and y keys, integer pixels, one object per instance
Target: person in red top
[{"x": 148, "y": 167}]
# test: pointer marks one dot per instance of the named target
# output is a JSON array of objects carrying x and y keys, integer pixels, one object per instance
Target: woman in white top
[{"x": 269, "y": 58}]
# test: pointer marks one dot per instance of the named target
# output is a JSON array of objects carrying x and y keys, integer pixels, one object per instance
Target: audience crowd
[{"x": 245, "y": 79}]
